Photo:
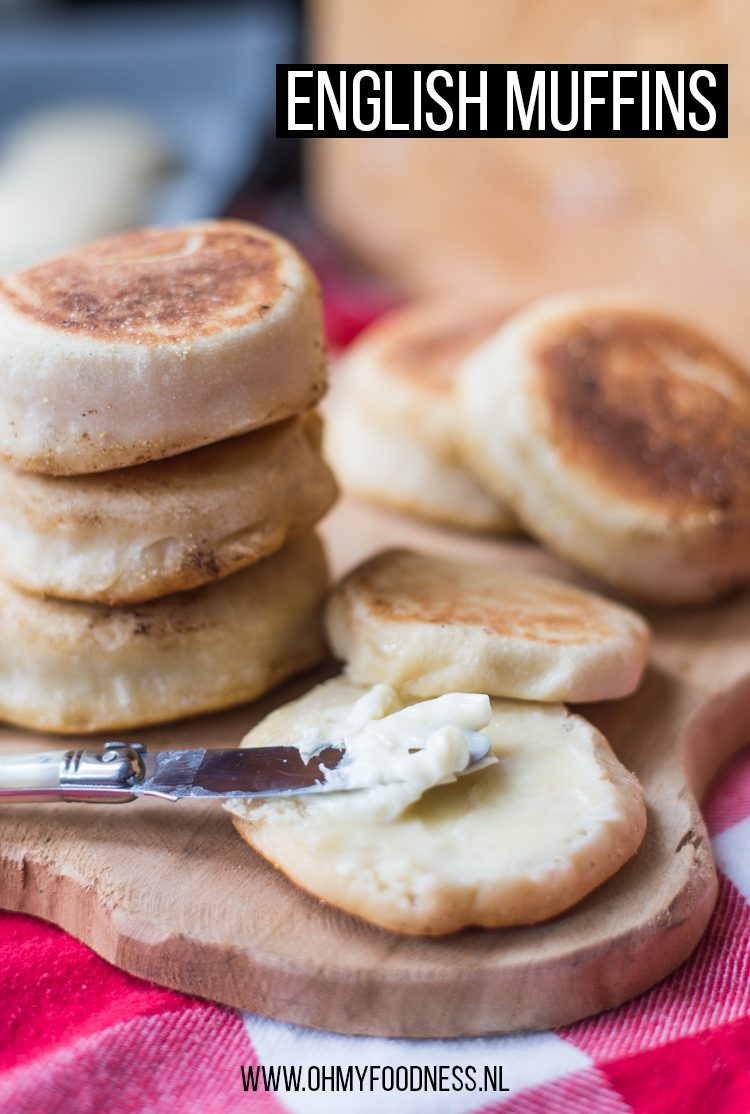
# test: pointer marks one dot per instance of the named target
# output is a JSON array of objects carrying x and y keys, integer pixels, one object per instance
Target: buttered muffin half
[
  {"x": 519, "y": 841},
  {"x": 72, "y": 667},
  {"x": 428, "y": 626},
  {"x": 621, "y": 439},
  {"x": 153, "y": 343},
  {"x": 137, "y": 533}
]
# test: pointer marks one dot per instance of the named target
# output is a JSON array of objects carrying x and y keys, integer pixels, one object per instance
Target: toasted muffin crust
[
  {"x": 154, "y": 285},
  {"x": 656, "y": 410}
]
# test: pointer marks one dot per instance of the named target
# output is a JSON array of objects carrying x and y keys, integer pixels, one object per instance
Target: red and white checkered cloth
[{"x": 77, "y": 1036}]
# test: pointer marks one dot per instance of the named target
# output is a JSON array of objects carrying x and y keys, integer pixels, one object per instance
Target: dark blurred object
[
  {"x": 353, "y": 296},
  {"x": 278, "y": 167},
  {"x": 295, "y": 4}
]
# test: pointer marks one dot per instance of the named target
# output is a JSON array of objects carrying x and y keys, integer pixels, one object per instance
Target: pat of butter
[{"x": 400, "y": 752}]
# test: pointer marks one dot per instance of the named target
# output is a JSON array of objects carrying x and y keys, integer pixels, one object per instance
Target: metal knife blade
[
  {"x": 122, "y": 772},
  {"x": 250, "y": 772}
]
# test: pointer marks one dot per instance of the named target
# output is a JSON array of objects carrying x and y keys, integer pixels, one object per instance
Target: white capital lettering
[
  {"x": 554, "y": 108},
  {"x": 588, "y": 100},
  {"x": 481, "y": 100},
  {"x": 663, "y": 89},
  {"x": 699, "y": 97},
  {"x": 293, "y": 100},
  {"x": 514, "y": 95},
  {"x": 429, "y": 116},
  {"x": 357, "y": 100},
  {"x": 617, "y": 100},
  {"x": 389, "y": 125},
  {"x": 338, "y": 107}
]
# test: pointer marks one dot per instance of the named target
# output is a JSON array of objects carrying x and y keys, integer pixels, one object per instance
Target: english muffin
[
  {"x": 383, "y": 464},
  {"x": 153, "y": 343},
  {"x": 620, "y": 436},
  {"x": 73, "y": 667},
  {"x": 138, "y": 533},
  {"x": 514, "y": 843},
  {"x": 402, "y": 369},
  {"x": 427, "y": 626}
]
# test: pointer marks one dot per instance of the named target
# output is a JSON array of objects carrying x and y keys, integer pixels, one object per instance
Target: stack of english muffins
[
  {"x": 160, "y": 479},
  {"x": 611, "y": 431}
]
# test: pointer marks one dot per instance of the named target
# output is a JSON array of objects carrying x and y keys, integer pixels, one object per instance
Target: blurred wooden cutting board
[{"x": 170, "y": 892}]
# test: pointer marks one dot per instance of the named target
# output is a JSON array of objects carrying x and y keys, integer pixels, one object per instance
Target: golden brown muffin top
[
  {"x": 155, "y": 285},
  {"x": 399, "y": 586},
  {"x": 648, "y": 406},
  {"x": 426, "y": 344}
]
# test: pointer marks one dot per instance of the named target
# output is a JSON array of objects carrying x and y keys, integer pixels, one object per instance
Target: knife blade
[
  {"x": 123, "y": 772},
  {"x": 251, "y": 772}
]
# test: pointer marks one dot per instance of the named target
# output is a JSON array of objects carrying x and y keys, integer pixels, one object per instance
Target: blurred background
[
  {"x": 113, "y": 116},
  {"x": 117, "y": 115}
]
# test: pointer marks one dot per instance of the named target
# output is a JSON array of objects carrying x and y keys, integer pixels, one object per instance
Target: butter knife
[{"x": 122, "y": 772}]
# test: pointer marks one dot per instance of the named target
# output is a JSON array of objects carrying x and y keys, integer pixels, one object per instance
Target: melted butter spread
[{"x": 514, "y": 843}]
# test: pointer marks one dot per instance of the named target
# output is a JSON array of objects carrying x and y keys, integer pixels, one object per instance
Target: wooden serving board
[{"x": 170, "y": 891}]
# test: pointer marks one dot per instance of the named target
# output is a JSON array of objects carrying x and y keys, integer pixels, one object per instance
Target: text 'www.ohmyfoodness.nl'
[{"x": 373, "y": 1077}]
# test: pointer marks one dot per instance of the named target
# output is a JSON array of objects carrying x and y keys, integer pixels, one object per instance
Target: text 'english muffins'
[
  {"x": 153, "y": 343},
  {"x": 137, "y": 533},
  {"x": 621, "y": 439},
  {"x": 429, "y": 626}
]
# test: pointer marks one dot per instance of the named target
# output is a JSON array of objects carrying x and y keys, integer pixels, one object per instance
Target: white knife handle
[
  {"x": 104, "y": 775},
  {"x": 31, "y": 771}
]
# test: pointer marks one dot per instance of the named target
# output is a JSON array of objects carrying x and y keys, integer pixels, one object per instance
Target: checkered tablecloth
[{"x": 77, "y": 1036}]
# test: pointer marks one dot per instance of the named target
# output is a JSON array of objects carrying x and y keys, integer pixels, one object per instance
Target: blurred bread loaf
[
  {"x": 620, "y": 436},
  {"x": 153, "y": 343},
  {"x": 525, "y": 216}
]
